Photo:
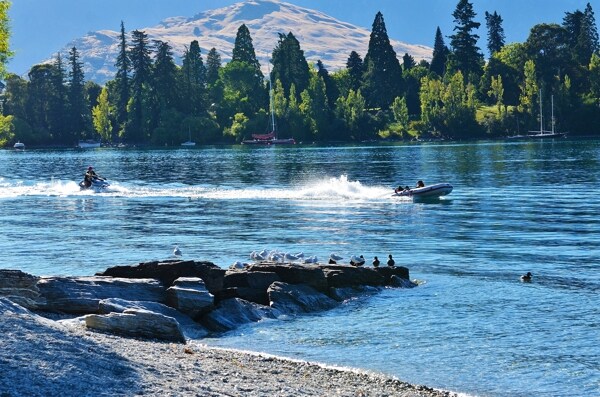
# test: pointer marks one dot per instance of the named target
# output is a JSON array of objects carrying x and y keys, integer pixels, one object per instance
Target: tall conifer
[
  {"x": 213, "y": 64},
  {"x": 194, "y": 79},
  {"x": 356, "y": 68},
  {"x": 122, "y": 83},
  {"x": 243, "y": 50},
  {"x": 289, "y": 64},
  {"x": 383, "y": 75},
  {"x": 142, "y": 67},
  {"x": 466, "y": 55},
  {"x": 496, "y": 35},
  {"x": 79, "y": 110},
  {"x": 440, "y": 54}
]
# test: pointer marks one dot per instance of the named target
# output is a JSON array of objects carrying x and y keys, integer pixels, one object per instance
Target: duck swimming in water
[{"x": 526, "y": 277}]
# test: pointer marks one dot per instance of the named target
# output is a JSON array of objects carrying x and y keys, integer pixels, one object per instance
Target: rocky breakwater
[{"x": 180, "y": 300}]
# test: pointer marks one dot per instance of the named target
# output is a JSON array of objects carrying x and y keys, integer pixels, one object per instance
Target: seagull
[
  {"x": 335, "y": 257},
  {"x": 290, "y": 257},
  {"x": 357, "y": 260},
  {"x": 237, "y": 265},
  {"x": 311, "y": 259},
  {"x": 526, "y": 277},
  {"x": 177, "y": 251},
  {"x": 275, "y": 257}
]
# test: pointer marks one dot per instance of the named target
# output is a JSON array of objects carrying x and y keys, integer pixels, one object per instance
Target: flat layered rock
[
  {"x": 298, "y": 298},
  {"x": 81, "y": 295},
  {"x": 21, "y": 288},
  {"x": 137, "y": 323}
]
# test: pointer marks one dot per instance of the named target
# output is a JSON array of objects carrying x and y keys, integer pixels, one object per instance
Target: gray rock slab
[
  {"x": 189, "y": 328},
  {"x": 81, "y": 295},
  {"x": 294, "y": 299},
  {"x": 137, "y": 323}
]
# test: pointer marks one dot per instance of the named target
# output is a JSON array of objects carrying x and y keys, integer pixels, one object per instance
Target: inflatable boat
[{"x": 431, "y": 191}]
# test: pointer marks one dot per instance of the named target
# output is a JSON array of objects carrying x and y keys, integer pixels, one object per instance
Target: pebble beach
[{"x": 43, "y": 357}]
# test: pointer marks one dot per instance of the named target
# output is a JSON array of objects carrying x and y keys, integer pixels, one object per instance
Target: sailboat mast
[
  {"x": 272, "y": 108},
  {"x": 553, "y": 114},
  {"x": 541, "y": 115}
]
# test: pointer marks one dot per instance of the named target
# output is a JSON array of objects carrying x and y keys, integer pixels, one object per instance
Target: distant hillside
[{"x": 320, "y": 36}]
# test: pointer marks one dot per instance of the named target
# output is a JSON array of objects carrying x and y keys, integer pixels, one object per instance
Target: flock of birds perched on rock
[{"x": 280, "y": 257}]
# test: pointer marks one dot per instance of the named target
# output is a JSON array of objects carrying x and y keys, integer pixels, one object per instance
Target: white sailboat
[
  {"x": 189, "y": 142},
  {"x": 88, "y": 144},
  {"x": 545, "y": 133},
  {"x": 271, "y": 137}
]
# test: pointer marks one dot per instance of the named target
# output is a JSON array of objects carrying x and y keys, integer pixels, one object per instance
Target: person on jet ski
[{"x": 90, "y": 176}]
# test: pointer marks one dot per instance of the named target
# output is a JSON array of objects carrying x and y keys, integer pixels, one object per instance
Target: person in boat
[
  {"x": 420, "y": 184},
  {"x": 391, "y": 261},
  {"x": 401, "y": 189}
]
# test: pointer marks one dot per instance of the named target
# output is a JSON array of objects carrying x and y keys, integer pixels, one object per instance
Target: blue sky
[{"x": 41, "y": 27}]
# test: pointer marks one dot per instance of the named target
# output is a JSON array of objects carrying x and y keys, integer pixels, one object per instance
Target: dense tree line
[{"x": 457, "y": 95}]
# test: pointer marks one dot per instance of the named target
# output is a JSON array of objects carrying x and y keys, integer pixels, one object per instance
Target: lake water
[{"x": 471, "y": 326}]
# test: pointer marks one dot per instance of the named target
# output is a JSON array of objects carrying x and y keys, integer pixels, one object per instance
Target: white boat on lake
[
  {"x": 19, "y": 145},
  {"x": 88, "y": 144},
  {"x": 431, "y": 191}
]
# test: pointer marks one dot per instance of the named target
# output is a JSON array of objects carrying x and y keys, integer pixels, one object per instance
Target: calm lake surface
[{"x": 470, "y": 327}]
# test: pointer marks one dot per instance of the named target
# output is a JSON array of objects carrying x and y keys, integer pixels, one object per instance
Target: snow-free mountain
[{"x": 320, "y": 36}]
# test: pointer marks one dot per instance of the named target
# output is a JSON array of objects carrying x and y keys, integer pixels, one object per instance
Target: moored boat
[
  {"x": 431, "y": 191},
  {"x": 19, "y": 146},
  {"x": 88, "y": 144},
  {"x": 271, "y": 137}
]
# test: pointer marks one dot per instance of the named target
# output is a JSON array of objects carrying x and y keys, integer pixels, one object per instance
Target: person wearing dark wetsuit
[{"x": 89, "y": 176}]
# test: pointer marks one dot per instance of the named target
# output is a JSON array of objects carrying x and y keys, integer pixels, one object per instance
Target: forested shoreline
[{"x": 457, "y": 95}]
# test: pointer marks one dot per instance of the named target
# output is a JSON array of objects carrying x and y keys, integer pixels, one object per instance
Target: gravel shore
[{"x": 43, "y": 357}]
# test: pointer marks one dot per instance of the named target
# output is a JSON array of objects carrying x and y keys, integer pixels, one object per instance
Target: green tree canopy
[
  {"x": 383, "y": 74},
  {"x": 440, "y": 54},
  {"x": 496, "y": 36},
  {"x": 466, "y": 54},
  {"x": 289, "y": 64}
]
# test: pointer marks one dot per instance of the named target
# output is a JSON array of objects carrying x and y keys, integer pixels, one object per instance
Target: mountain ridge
[{"x": 321, "y": 36}]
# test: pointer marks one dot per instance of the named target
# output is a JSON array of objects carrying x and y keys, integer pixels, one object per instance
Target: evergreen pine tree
[
  {"x": 164, "y": 76},
  {"x": 330, "y": 87},
  {"x": 408, "y": 62},
  {"x": 440, "y": 54},
  {"x": 243, "y": 50},
  {"x": 591, "y": 28},
  {"x": 142, "y": 68},
  {"x": 496, "y": 35},
  {"x": 355, "y": 67},
  {"x": 383, "y": 75},
  {"x": 582, "y": 34},
  {"x": 289, "y": 64},
  {"x": 57, "y": 106},
  {"x": 121, "y": 82},
  {"x": 78, "y": 109},
  {"x": 466, "y": 55},
  {"x": 213, "y": 64},
  {"x": 193, "y": 73}
]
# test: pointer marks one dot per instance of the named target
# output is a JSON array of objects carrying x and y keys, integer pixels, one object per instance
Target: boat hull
[
  {"x": 267, "y": 142},
  {"x": 88, "y": 144},
  {"x": 431, "y": 191}
]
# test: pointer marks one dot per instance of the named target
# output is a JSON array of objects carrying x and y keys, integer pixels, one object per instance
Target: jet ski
[{"x": 98, "y": 184}]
